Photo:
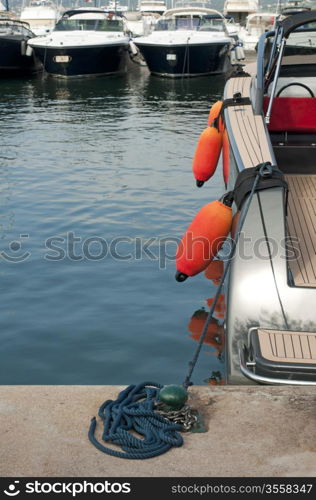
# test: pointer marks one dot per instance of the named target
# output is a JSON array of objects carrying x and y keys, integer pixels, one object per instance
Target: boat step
[{"x": 280, "y": 356}]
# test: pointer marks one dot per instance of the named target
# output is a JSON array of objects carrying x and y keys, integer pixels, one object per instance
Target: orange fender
[
  {"x": 207, "y": 154},
  {"x": 203, "y": 239},
  {"x": 214, "y": 112}
]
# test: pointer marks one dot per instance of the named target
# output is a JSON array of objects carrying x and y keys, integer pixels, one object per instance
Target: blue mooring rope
[{"x": 134, "y": 410}]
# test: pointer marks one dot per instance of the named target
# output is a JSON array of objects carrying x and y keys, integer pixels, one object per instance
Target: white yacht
[
  {"x": 149, "y": 6},
  {"x": 41, "y": 15},
  {"x": 240, "y": 9},
  {"x": 115, "y": 6},
  {"x": 85, "y": 42},
  {"x": 142, "y": 21},
  {"x": 256, "y": 25},
  {"x": 249, "y": 20}
]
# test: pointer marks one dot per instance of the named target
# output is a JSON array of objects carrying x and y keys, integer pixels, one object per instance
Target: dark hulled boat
[
  {"x": 15, "y": 58},
  {"x": 85, "y": 42},
  {"x": 189, "y": 41}
]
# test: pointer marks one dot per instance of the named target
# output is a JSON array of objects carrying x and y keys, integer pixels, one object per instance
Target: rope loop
[{"x": 134, "y": 411}]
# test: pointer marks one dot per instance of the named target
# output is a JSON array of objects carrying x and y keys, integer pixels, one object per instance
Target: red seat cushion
[{"x": 292, "y": 114}]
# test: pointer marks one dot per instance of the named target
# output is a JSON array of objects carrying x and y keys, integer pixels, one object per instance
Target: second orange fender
[{"x": 203, "y": 239}]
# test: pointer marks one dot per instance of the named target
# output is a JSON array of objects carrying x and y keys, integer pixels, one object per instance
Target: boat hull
[
  {"x": 13, "y": 61},
  {"x": 185, "y": 60},
  {"x": 83, "y": 61}
]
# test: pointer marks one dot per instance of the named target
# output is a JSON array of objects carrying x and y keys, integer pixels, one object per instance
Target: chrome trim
[
  {"x": 274, "y": 84},
  {"x": 242, "y": 350}
]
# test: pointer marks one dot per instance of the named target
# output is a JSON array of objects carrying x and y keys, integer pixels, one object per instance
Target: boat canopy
[
  {"x": 14, "y": 26},
  {"x": 76, "y": 12}
]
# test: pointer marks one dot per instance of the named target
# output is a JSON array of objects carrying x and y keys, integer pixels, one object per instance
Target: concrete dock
[{"x": 252, "y": 431}]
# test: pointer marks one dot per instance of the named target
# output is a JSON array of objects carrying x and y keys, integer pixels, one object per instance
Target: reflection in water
[
  {"x": 220, "y": 308},
  {"x": 215, "y": 332},
  {"x": 214, "y": 271}
]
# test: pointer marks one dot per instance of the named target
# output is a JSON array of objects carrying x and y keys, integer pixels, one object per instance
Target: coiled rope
[{"x": 134, "y": 410}]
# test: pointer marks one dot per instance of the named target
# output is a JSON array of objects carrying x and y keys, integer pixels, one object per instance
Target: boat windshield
[
  {"x": 298, "y": 61},
  {"x": 197, "y": 23},
  {"x": 89, "y": 25},
  {"x": 11, "y": 27}
]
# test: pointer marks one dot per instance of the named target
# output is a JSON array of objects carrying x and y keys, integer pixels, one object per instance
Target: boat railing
[{"x": 276, "y": 76}]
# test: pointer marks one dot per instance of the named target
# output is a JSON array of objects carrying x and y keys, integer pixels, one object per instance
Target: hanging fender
[
  {"x": 203, "y": 238},
  {"x": 132, "y": 48},
  {"x": 209, "y": 146},
  {"x": 207, "y": 154},
  {"x": 214, "y": 112}
]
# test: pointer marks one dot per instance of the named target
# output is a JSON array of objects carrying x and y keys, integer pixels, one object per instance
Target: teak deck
[
  {"x": 248, "y": 128},
  {"x": 302, "y": 228},
  {"x": 288, "y": 346},
  {"x": 253, "y": 146}
]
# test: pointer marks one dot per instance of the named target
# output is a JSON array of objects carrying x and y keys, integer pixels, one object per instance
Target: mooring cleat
[{"x": 173, "y": 396}]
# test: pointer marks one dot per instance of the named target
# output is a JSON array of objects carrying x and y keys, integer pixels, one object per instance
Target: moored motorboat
[
  {"x": 256, "y": 25},
  {"x": 271, "y": 292},
  {"x": 239, "y": 10},
  {"x": 268, "y": 138},
  {"x": 142, "y": 21},
  {"x": 15, "y": 58},
  {"x": 250, "y": 22},
  {"x": 85, "y": 42},
  {"x": 189, "y": 41},
  {"x": 152, "y": 6},
  {"x": 115, "y": 6}
]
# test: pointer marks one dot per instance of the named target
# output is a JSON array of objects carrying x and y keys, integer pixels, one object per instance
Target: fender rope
[
  {"x": 263, "y": 170},
  {"x": 134, "y": 409}
]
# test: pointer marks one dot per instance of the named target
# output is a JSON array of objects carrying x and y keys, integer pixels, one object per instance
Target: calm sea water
[{"x": 83, "y": 164}]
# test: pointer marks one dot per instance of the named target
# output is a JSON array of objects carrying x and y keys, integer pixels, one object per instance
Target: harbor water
[{"x": 96, "y": 184}]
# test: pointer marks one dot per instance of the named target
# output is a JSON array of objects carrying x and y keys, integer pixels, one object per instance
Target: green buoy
[{"x": 173, "y": 396}]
